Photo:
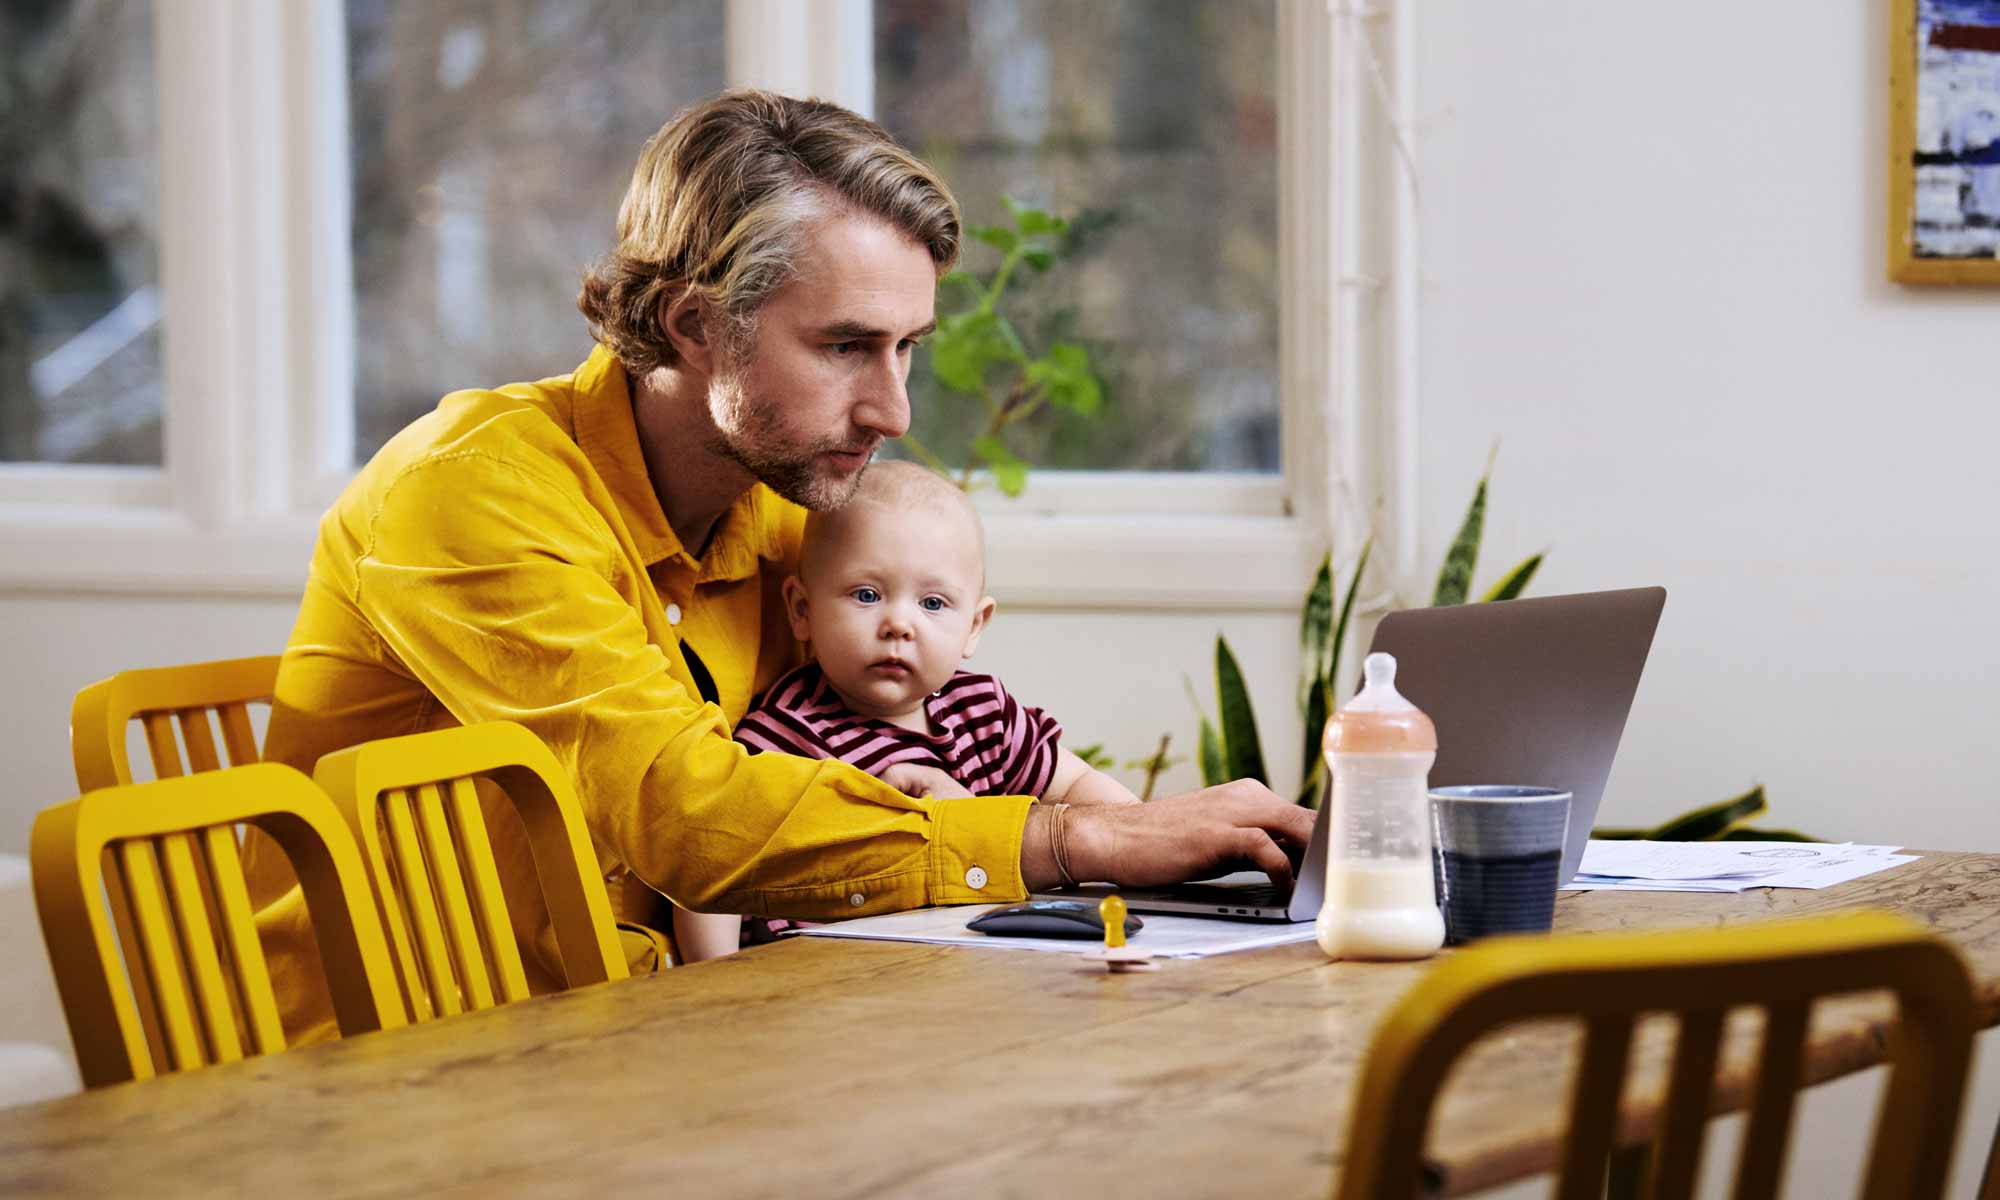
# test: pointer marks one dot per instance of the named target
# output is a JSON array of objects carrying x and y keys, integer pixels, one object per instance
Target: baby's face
[{"x": 891, "y": 606}]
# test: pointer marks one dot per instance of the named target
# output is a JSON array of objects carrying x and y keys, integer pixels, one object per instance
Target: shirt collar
[{"x": 608, "y": 434}]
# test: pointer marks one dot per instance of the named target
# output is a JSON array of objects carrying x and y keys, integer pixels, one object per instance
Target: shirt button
[
  {"x": 673, "y": 614},
  {"x": 857, "y": 899},
  {"x": 976, "y": 878}
]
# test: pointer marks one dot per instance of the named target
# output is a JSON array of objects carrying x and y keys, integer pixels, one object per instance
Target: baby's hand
[{"x": 915, "y": 779}]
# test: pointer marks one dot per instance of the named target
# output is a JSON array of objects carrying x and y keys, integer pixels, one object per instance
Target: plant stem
[
  {"x": 1000, "y": 277},
  {"x": 1154, "y": 766},
  {"x": 929, "y": 459}
]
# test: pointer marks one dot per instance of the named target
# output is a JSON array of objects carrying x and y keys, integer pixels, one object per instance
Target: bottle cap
[{"x": 1379, "y": 720}]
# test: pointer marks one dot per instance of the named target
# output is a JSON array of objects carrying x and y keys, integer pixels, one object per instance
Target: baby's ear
[
  {"x": 981, "y": 614},
  {"x": 796, "y": 608}
]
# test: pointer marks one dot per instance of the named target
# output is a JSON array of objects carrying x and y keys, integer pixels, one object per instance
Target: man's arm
[{"x": 1192, "y": 836}]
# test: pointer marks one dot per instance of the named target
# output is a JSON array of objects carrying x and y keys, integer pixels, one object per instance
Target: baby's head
[{"x": 891, "y": 588}]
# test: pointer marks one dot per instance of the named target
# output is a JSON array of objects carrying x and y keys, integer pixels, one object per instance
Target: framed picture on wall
[{"x": 1944, "y": 141}]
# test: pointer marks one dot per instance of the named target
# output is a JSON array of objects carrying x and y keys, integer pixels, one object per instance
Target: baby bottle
[{"x": 1380, "y": 898}]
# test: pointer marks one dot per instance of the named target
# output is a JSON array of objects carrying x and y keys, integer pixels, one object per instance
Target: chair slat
[
  {"x": 475, "y": 850},
  {"x": 1593, "y": 1123},
  {"x": 420, "y": 905},
  {"x": 239, "y": 740},
  {"x": 1770, "y": 1126},
  {"x": 189, "y": 905},
  {"x": 1677, "y": 1150},
  {"x": 256, "y": 997},
  {"x": 463, "y": 938},
  {"x": 161, "y": 745},
  {"x": 200, "y": 742},
  {"x": 199, "y": 738},
  {"x": 119, "y": 901},
  {"x": 158, "y": 955}
]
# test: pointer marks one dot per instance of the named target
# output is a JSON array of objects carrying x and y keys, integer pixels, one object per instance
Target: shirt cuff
[{"x": 976, "y": 849}]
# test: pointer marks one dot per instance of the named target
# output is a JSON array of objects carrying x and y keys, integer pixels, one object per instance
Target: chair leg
[{"x": 1627, "y": 1177}]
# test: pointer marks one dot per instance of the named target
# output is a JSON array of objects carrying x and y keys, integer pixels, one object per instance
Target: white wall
[
  {"x": 1653, "y": 250},
  {"x": 1653, "y": 247}
]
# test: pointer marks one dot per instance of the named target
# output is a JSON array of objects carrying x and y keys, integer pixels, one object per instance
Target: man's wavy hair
[{"x": 721, "y": 201}]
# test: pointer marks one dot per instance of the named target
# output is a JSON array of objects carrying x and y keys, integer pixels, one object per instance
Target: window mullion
[{"x": 822, "y": 48}]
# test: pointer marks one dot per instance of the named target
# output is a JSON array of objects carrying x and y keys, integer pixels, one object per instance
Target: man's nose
[{"x": 884, "y": 405}]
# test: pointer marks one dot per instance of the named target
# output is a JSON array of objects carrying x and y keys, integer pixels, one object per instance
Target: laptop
[{"x": 1522, "y": 691}]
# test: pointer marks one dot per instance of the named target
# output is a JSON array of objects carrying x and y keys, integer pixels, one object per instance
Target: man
[{"x": 599, "y": 556}]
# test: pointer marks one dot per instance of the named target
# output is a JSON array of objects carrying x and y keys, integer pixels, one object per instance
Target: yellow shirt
[{"x": 506, "y": 558}]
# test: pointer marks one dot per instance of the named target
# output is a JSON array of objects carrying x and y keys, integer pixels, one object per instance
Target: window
[
  {"x": 1154, "y": 126},
  {"x": 369, "y": 204},
  {"x": 490, "y": 147},
  {"x": 80, "y": 374}
]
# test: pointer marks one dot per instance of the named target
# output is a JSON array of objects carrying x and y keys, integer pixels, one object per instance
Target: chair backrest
[
  {"x": 161, "y": 698},
  {"x": 172, "y": 845},
  {"x": 1608, "y": 981},
  {"x": 414, "y": 809}
]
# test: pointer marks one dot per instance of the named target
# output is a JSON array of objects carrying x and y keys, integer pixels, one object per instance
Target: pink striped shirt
[{"x": 990, "y": 744}]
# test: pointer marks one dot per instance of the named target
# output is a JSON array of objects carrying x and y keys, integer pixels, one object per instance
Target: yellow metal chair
[
  {"x": 196, "y": 949},
  {"x": 414, "y": 808},
  {"x": 161, "y": 698},
  {"x": 1608, "y": 981}
]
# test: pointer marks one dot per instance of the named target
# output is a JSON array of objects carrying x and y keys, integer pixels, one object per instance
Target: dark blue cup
[{"x": 1498, "y": 852}]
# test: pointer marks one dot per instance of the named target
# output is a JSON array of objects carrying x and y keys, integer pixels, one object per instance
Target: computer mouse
[{"x": 1048, "y": 918}]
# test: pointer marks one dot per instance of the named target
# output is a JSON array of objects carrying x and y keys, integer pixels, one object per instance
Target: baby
[{"x": 889, "y": 599}]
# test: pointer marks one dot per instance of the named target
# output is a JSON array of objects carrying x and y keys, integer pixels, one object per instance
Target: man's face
[{"x": 806, "y": 405}]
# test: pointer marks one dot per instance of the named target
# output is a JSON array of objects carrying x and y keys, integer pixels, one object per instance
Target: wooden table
[{"x": 836, "y": 1068}]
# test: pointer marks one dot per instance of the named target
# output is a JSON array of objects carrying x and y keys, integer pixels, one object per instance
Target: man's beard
[{"x": 748, "y": 433}]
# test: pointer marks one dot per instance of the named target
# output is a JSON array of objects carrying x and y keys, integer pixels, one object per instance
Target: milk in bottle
[{"x": 1380, "y": 899}]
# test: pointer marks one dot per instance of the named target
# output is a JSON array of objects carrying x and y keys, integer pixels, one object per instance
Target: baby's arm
[
  {"x": 702, "y": 936},
  {"x": 1077, "y": 782}
]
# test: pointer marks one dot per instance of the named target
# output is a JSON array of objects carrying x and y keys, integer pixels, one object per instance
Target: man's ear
[
  {"x": 981, "y": 614},
  {"x": 684, "y": 315},
  {"x": 795, "y": 608}
]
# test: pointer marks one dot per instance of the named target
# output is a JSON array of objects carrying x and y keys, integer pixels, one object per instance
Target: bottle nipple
[{"x": 1380, "y": 719}]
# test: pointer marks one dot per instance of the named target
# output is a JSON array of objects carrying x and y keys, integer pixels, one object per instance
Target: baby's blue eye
[
  {"x": 932, "y": 603},
  {"x": 867, "y": 595}
]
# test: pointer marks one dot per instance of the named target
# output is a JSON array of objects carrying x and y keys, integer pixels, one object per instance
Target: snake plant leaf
[
  {"x": 1312, "y": 771},
  {"x": 1712, "y": 821},
  {"x": 1009, "y": 472},
  {"x": 1242, "y": 753},
  {"x": 1332, "y": 672},
  {"x": 1315, "y": 628},
  {"x": 1743, "y": 833},
  {"x": 1211, "y": 754},
  {"x": 1513, "y": 582},
  {"x": 1455, "y": 579},
  {"x": 1619, "y": 833}
]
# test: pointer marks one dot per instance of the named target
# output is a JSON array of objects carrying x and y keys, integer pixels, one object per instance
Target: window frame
[{"x": 258, "y": 331}]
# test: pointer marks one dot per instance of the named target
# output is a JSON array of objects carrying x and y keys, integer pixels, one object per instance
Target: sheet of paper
[
  {"x": 1165, "y": 936},
  {"x": 1639, "y": 866}
]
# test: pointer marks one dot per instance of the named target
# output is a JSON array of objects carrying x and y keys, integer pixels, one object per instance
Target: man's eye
[
  {"x": 844, "y": 348},
  {"x": 867, "y": 595},
  {"x": 908, "y": 344},
  {"x": 932, "y": 603}
]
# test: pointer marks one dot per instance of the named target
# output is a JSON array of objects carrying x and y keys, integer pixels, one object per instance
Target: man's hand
[
  {"x": 1225, "y": 828},
  {"x": 915, "y": 779}
]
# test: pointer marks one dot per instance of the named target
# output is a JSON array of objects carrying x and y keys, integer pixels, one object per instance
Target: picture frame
[{"x": 1944, "y": 142}]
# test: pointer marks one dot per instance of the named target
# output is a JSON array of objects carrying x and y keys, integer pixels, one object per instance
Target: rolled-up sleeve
[{"x": 511, "y": 599}]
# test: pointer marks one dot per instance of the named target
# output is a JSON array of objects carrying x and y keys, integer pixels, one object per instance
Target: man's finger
[{"x": 1256, "y": 846}]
